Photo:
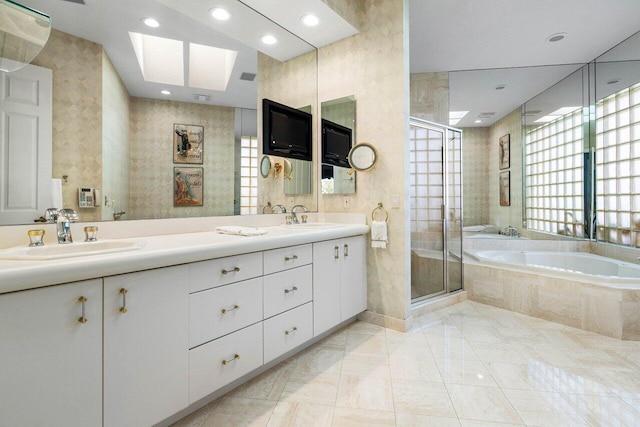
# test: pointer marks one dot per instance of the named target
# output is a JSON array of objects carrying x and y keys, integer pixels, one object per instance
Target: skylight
[
  {"x": 160, "y": 59},
  {"x": 210, "y": 67}
]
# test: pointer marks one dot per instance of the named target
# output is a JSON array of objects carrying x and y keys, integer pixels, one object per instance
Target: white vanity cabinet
[
  {"x": 339, "y": 281},
  {"x": 146, "y": 348},
  {"x": 51, "y": 356}
]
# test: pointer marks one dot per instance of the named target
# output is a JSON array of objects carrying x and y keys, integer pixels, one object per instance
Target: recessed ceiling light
[
  {"x": 165, "y": 92},
  {"x": 310, "y": 20},
  {"x": 220, "y": 14},
  {"x": 478, "y": 121},
  {"x": 150, "y": 22},
  {"x": 613, "y": 81},
  {"x": 269, "y": 39},
  {"x": 500, "y": 87},
  {"x": 556, "y": 37}
]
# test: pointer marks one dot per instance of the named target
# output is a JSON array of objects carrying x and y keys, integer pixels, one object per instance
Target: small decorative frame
[
  {"x": 504, "y": 150},
  {"x": 505, "y": 188},
  {"x": 188, "y": 183},
  {"x": 188, "y": 144}
]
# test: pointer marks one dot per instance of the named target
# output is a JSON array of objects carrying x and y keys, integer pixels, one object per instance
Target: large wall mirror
[
  {"x": 338, "y": 130},
  {"x": 114, "y": 131}
]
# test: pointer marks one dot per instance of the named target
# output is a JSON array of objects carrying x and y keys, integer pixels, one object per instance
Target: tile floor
[{"x": 467, "y": 365}]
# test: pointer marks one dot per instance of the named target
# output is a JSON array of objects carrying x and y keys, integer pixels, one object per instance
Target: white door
[
  {"x": 25, "y": 144},
  {"x": 326, "y": 285},
  {"x": 353, "y": 292},
  {"x": 50, "y": 362},
  {"x": 146, "y": 346}
]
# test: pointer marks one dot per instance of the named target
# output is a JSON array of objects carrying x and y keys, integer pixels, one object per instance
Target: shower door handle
[{"x": 443, "y": 208}]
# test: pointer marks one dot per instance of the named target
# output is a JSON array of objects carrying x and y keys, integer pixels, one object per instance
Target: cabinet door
[
  {"x": 51, "y": 363},
  {"x": 146, "y": 345},
  {"x": 353, "y": 290},
  {"x": 326, "y": 285}
]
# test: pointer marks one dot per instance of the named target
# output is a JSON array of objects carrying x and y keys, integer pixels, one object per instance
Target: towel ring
[{"x": 380, "y": 208}]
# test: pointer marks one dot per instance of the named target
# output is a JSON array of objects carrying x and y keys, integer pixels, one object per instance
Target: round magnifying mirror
[
  {"x": 363, "y": 157},
  {"x": 265, "y": 166}
]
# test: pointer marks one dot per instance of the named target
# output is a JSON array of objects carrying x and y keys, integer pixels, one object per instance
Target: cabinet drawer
[
  {"x": 222, "y": 310},
  {"x": 287, "y": 289},
  {"x": 224, "y": 360},
  {"x": 285, "y": 258},
  {"x": 221, "y": 271},
  {"x": 287, "y": 331}
]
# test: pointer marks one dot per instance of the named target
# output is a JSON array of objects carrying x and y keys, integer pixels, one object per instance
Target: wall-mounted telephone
[{"x": 88, "y": 197}]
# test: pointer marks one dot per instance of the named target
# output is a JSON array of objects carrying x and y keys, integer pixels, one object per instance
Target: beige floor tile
[
  {"x": 415, "y": 347},
  {"x": 497, "y": 352},
  {"x": 484, "y": 334},
  {"x": 604, "y": 410},
  {"x": 451, "y": 348},
  {"x": 543, "y": 408},
  {"x": 482, "y": 404},
  {"x": 324, "y": 358},
  {"x": 293, "y": 414},
  {"x": 240, "y": 411},
  {"x": 366, "y": 343},
  {"x": 533, "y": 352},
  {"x": 518, "y": 376},
  {"x": 197, "y": 418},
  {"x": 349, "y": 417},
  {"x": 624, "y": 383},
  {"x": 404, "y": 419},
  {"x": 476, "y": 423},
  {"x": 421, "y": 397},
  {"x": 574, "y": 380},
  {"x": 308, "y": 387},
  {"x": 420, "y": 369},
  {"x": 268, "y": 385},
  {"x": 470, "y": 372},
  {"x": 366, "y": 365},
  {"x": 360, "y": 327},
  {"x": 365, "y": 393},
  {"x": 592, "y": 358},
  {"x": 336, "y": 338}
]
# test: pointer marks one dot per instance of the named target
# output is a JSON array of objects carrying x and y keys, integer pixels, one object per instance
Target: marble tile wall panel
[
  {"x": 475, "y": 169},
  {"x": 429, "y": 94}
]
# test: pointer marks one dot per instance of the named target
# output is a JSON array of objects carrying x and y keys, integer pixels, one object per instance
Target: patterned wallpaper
[
  {"x": 77, "y": 114},
  {"x": 151, "y": 152},
  {"x": 352, "y": 10},
  {"x": 373, "y": 67},
  {"x": 115, "y": 141},
  {"x": 293, "y": 83}
]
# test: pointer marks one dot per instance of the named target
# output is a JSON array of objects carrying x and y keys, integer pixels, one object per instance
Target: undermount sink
[
  {"x": 312, "y": 226},
  {"x": 57, "y": 251}
]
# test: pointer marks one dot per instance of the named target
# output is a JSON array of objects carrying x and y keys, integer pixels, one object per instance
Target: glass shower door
[
  {"x": 453, "y": 220},
  {"x": 427, "y": 201}
]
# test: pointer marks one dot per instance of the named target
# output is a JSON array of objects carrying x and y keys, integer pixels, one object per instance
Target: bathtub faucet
[{"x": 511, "y": 231}]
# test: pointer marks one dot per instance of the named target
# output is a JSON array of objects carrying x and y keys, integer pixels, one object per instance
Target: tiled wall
[
  {"x": 381, "y": 91},
  {"x": 151, "y": 152},
  {"x": 115, "y": 141},
  {"x": 430, "y": 97},
  {"x": 77, "y": 114},
  {"x": 293, "y": 83},
  {"x": 475, "y": 169}
]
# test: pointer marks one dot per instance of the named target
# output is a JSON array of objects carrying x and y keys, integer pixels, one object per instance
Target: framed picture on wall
[
  {"x": 503, "y": 151},
  {"x": 188, "y": 186},
  {"x": 188, "y": 144},
  {"x": 505, "y": 188}
]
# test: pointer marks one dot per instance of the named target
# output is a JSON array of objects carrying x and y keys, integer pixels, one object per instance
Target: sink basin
[
  {"x": 71, "y": 250},
  {"x": 312, "y": 226}
]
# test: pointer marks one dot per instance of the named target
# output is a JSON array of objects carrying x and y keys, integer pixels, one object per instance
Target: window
[
  {"x": 248, "y": 175},
  {"x": 618, "y": 167},
  {"x": 554, "y": 186}
]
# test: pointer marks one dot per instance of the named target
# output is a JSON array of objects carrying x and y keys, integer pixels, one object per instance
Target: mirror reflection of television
[
  {"x": 286, "y": 131},
  {"x": 336, "y": 143}
]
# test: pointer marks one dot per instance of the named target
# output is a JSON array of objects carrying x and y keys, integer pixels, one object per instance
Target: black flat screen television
[
  {"x": 336, "y": 144},
  {"x": 286, "y": 131}
]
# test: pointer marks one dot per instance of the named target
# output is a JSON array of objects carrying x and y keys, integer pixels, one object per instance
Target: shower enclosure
[{"x": 436, "y": 209}]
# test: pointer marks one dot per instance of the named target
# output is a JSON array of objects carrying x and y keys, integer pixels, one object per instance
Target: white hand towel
[
  {"x": 56, "y": 193},
  {"x": 236, "y": 230},
  {"x": 379, "y": 234}
]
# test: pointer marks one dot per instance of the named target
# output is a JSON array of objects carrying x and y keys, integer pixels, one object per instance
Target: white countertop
[{"x": 159, "y": 251}]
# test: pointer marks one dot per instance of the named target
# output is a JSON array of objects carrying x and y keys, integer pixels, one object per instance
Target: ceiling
[{"x": 469, "y": 37}]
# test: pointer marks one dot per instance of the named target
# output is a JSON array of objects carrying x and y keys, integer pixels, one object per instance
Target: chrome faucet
[
  {"x": 63, "y": 224},
  {"x": 279, "y": 207},
  {"x": 511, "y": 231},
  {"x": 294, "y": 217}
]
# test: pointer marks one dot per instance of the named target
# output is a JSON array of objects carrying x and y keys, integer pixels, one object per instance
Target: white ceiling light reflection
[
  {"x": 220, "y": 14},
  {"x": 269, "y": 39},
  {"x": 310, "y": 20},
  {"x": 165, "y": 92},
  {"x": 150, "y": 22}
]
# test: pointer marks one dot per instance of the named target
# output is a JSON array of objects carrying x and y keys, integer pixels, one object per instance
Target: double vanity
[{"x": 147, "y": 334}]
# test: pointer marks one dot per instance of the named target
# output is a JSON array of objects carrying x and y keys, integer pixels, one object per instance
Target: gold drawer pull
[
  {"x": 346, "y": 250},
  {"x": 123, "y": 292},
  {"x": 225, "y": 362},
  {"x": 226, "y": 310},
  {"x": 235, "y": 270},
  {"x": 336, "y": 253},
  {"x": 287, "y": 258},
  {"x": 295, "y": 288},
  {"x": 295, "y": 328},
  {"x": 82, "y": 318}
]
